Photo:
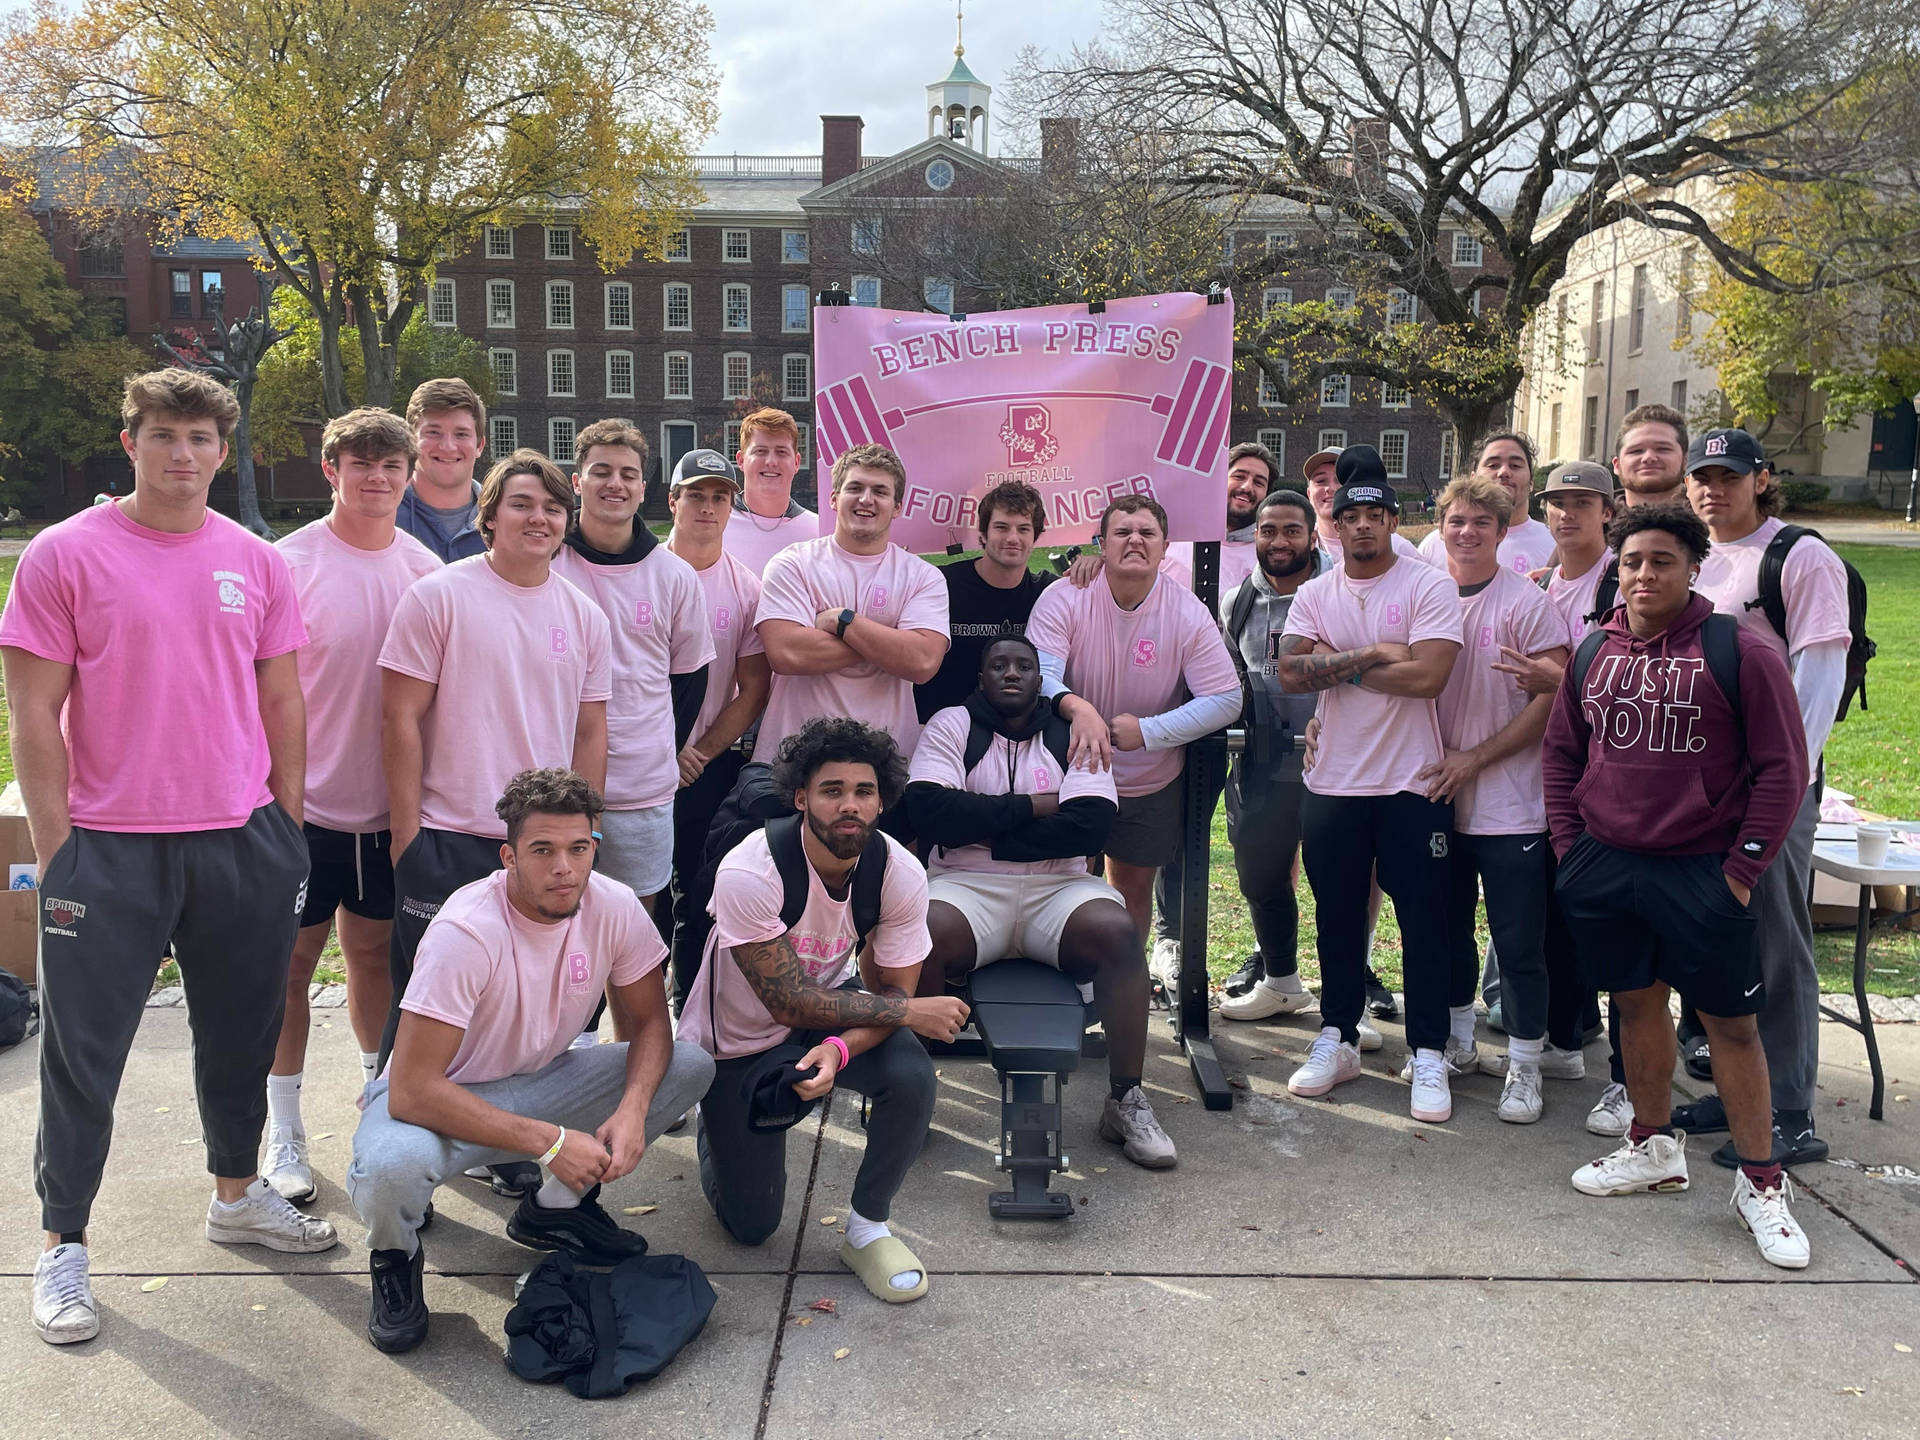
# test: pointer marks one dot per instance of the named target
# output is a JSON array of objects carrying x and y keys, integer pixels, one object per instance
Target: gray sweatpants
[
  {"x": 397, "y": 1167},
  {"x": 1790, "y": 1025},
  {"x": 229, "y": 902}
]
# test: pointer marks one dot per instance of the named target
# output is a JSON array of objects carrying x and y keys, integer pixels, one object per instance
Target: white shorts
[
  {"x": 1017, "y": 914},
  {"x": 636, "y": 848}
]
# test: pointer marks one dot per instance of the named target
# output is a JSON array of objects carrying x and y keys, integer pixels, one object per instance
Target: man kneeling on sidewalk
[{"x": 506, "y": 976}]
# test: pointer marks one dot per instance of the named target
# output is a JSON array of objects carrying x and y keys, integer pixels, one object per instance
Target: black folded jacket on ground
[{"x": 600, "y": 1332}]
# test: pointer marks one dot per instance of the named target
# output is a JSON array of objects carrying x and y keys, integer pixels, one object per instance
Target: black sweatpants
[
  {"x": 436, "y": 864},
  {"x": 1572, "y": 1005},
  {"x": 1263, "y": 826},
  {"x": 1514, "y": 871},
  {"x": 229, "y": 901},
  {"x": 744, "y": 1171},
  {"x": 685, "y": 924},
  {"x": 1405, "y": 838}
]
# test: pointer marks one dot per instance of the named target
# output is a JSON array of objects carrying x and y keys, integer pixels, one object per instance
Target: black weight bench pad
[{"x": 1029, "y": 1016}]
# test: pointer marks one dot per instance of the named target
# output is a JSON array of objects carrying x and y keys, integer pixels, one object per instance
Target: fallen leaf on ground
[
  {"x": 1899, "y": 1099},
  {"x": 1852, "y": 1390},
  {"x": 829, "y": 1219},
  {"x": 323, "y": 1135},
  {"x": 1183, "y": 1100},
  {"x": 259, "y": 1307},
  {"x": 639, "y": 1209},
  {"x": 1238, "y": 1082},
  {"x": 326, "y": 1024},
  {"x": 163, "y": 1109},
  {"x": 1249, "y": 1227},
  {"x": 803, "y": 1319},
  {"x": 826, "y": 1305},
  {"x": 189, "y": 1142},
  {"x": 842, "y": 1353},
  {"x": 155, "y": 1283},
  {"x": 1421, "y": 1138},
  {"x": 1903, "y": 1349},
  {"x": 1099, "y": 1169}
]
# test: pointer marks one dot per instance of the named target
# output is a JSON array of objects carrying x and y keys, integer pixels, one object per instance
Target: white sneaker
[
  {"x": 1520, "y": 1101},
  {"x": 1764, "y": 1212},
  {"x": 1459, "y": 1060},
  {"x": 1164, "y": 964},
  {"x": 1612, "y": 1114},
  {"x": 1370, "y": 1038},
  {"x": 585, "y": 1040},
  {"x": 1432, "y": 1096},
  {"x": 1130, "y": 1123},
  {"x": 286, "y": 1168},
  {"x": 1658, "y": 1165},
  {"x": 1331, "y": 1062},
  {"x": 1554, "y": 1064},
  {"x": 264, "y": 1217},
  {"x": 63, "y": 1308},
  {"x": 1269, "y": 998}
]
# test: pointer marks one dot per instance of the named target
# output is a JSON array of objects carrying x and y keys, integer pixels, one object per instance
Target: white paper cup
[{"x": 1870, "y": 844}]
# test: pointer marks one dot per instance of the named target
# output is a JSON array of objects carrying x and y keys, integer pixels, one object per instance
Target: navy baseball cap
[
  {"x": 1363, "y": 481},
  {"x": 1735, "y": 449},
  {"x": 697, "y": 465}
]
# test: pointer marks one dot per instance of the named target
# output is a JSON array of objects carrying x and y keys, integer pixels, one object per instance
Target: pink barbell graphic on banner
[{"x": 1196, "y": 427}]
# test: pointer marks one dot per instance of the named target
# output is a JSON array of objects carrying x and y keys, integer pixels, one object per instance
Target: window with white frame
[
  {"x": 1466, "y": 249},
  {"x": 866, "y": 235},
  {"x": 440, "y": 309},
  {"x": 1393, "y": 453},
  {"x": 1276, "y": 443},
  {"x": 730, "y": 438},
  {"x": 793, "y": 247},
  {"x": 559, "y": 242},
  {"x": 504, "y": 435},
  {"x": 679, "y": 244},
  {"x": 560, "y": 430},
  {"x": 800, "y": 447},
  {"x": 1336, "y": 390},
  {"x": 1280, "y": 240},
  {"x": 736, "y": 246},
  {"x": 500, "y": 304},
  {"x": 736, "y": 307},
  {"x": 559, "y": 304},
  {"x": 866, "y": 290},
  {"x": 796, "y": 377},
  {"x": 506, "y": 371},
  {"x": 1445, "y": 467},
  {"x": 1269, "y": 392},
  {"x": 619, "y": 305},
  {"x": 1331, "y": 440},
  {"x": 1395, "y": 397},
  {"x": 499, "y": 242},
  {"x": 938, "y": 295},
  {"x": 620, "y": 375},
  {"x": 679, "y": 365},
  {"x": 1340, "y": 297},
  {"x": 1272, "y": 298},
  {"x": 795, "y": 315},
  {"x": 736, "y": 375},
  {"x": 560, "y": 372},
  {"x": 677, "y": 306},
  {"x": 1402, "y": 308}
]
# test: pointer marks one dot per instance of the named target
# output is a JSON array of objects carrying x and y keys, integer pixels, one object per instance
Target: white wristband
[{"x": 553, "y": 1149}]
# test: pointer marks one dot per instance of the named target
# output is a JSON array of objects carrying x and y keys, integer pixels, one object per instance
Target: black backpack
[
  {"x": 1719, "y": 643},
  {"x": 1268, "y": 735},
  {"x": 1771, "y": 602},
  {"x": 756, "y": 803},
  {"x": 1606, "y": 594},
  {"x": 1055, "y": 732}
]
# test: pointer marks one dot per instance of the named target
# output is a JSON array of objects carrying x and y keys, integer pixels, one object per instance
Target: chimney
[
  {"x": 1371, "y": 141},
  {"x": 839, "y": 146},
  {"x": 1059, "y": 148}
]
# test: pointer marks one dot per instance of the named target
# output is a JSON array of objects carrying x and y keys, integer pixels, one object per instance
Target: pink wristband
[{"x": 837, "y": 1043}]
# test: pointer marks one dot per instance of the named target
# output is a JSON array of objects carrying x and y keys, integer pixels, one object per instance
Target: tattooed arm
[
  {"x": 1310, "y": 666},
  {"x": 797, "y": 1000}
]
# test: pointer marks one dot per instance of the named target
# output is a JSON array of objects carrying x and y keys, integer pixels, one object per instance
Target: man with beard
[
  {"x": 1651, "y": 458},
  {"x": 769, "y": 982},
  {"x": 1010, "y": 835},
  {"x": 482, "y": 1071}
]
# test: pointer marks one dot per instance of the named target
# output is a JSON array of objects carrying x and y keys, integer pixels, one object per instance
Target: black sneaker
[
  {"x": 1380, "y": 1002},
  {"x": 515, "y": 1179},
  {"x": 584, "y": 1231},
  {"x": 1705, "y": 1116},
  {"x": 1794, "y": 1142},
  {"x": 1250, "y": 973},
  {"x": 398, "y": 1321},
  {"x": 1694, "y": 1053}
]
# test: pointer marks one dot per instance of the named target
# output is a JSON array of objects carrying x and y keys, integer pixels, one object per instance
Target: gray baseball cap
[
  {"x": 1332, "y": 452},
  {"x": 698, "y": 465},
  {"x": 1580, "y": 475}
]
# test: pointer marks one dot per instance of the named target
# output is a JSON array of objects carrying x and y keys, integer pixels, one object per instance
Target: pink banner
[{"x": 1084, "y": 407}]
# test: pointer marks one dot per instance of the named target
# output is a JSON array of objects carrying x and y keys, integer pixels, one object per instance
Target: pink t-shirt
[
  {"x": 348, "y": 597},
  {"x": 523, "y": 990},
  {"x": 1813, "y": 585},
  {"x": 1479, "y": 702},
  {"x": 894, "y": 588},
  {"x": 1330, "y": 542},
  {"x": 723, "y": 1015},
  {"x": 1523, "y": 549},
  {"x": 658, "y": 616},
  {"x": 162, "y": 631},
  {"x": 733, "y": 605},
  {"x": 513, "y": 666},
  {"x": 753, "y": 540},
  {"x": 1374, "y": 744},
  {"x": 1023, "y": 767},
  {"x": 1140, "y": 662},
  {"x": 1575, "y": 598}
]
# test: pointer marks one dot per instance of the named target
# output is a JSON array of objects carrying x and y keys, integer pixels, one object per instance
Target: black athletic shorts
[
  {"x": 351, "y": 870},
  {"x": 1640, "y": 918}
]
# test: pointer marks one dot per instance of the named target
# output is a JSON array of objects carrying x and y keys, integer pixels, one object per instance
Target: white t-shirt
[
  {"x": 1374, "y": 744},
  {"x": 1523, "y": 549},
  {"x": 723, "y": 1015}
]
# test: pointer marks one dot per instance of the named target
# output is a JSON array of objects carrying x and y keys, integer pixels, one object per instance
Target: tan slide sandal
[{"x": 878, "y": 1263}]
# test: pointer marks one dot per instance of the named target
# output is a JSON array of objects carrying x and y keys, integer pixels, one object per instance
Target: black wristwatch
[{"x": 846, "y": 619}]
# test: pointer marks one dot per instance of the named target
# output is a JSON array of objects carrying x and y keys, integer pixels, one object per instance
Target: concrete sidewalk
[{"x": 1311, "y": 1268}]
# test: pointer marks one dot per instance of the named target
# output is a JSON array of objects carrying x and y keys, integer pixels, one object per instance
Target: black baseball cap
[
  {"x": 697, "y": 465},
  {"x": 1363, "y": 481},
  {"x": 1735, "y": 449}
]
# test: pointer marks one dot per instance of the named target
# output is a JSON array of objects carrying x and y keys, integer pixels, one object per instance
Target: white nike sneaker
[
  {"x": 1612, "y": 1114},
  {"x": 1520, "y": 1100},
  {"x": 63, "y": 1309},
  {"x": 1764, "y": 1212},
  {"x": 1370, "y": 1038},
  {"x": 264, "y": 1217},
  {"x": 1459, "y": 1060},
  {"x": 1432, "y": 1100},
  {"x": 1331, "y": 1062},
  {"x": 286, "y": 1168},
  {"x": 1554, "y": 1064},
  {"x": 1658, "y": 1165},
  {"x": 1269, "y": 998},
  {"x": 1164, "y": 964}
]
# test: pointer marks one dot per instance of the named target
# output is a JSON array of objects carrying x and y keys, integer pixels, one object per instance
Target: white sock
[
  {"x": 283, "y": 1101},
  {"x": 254, "y": 1191},
  {"x": 1524, "y": 1052},
  {"x": 1284, "y": 984},
  {"x": 369, "y": 1066},
  {"x": 1463, "y": 1025},
  {"x": 556, "y": 1194},
  {"x": 862, "y": 1232}
]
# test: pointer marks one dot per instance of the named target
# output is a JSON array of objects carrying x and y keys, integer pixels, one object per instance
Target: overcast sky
[{"x": 784, "y": 66}]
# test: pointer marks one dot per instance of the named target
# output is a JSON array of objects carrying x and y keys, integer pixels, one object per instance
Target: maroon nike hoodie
[{"x": 1651, "y": 758}]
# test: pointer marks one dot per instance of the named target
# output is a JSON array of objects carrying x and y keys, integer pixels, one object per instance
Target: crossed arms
[{"x": 1418, "y": 671}]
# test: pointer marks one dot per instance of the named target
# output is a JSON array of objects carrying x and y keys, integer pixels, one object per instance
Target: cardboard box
[{"x": 19, "y": 911}]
